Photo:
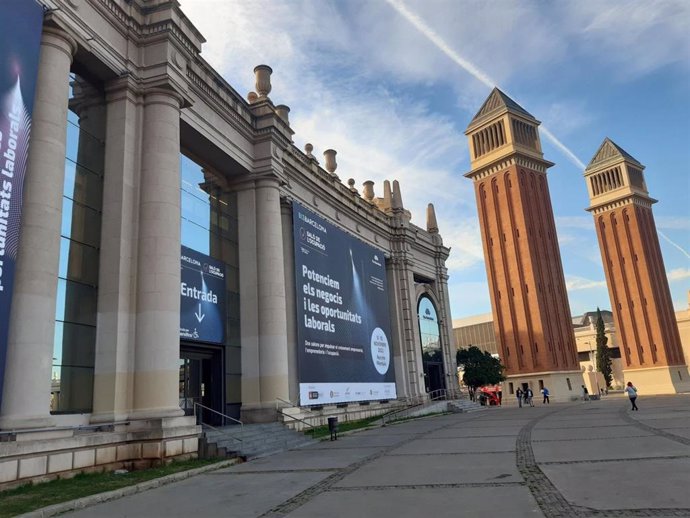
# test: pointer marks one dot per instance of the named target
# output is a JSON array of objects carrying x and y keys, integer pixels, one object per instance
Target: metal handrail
[
  {"x": 311, "y": 426},
  {"x": 224, "y": 432},
  {"x": 417, "y": 401},
  {"x": 292, "y": 404}
]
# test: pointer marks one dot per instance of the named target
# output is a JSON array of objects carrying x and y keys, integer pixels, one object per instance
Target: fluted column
[
  {"x": 26, "y": 394},
  {"x": 157, "y": 342}
]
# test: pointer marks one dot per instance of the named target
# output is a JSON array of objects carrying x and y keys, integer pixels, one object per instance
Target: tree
[
  {"x": 603, "y": 352},
  {"x": 480, "y": 368}
]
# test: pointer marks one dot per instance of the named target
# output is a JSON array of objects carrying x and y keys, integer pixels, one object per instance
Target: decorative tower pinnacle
[{"x": 500, "y": 129}]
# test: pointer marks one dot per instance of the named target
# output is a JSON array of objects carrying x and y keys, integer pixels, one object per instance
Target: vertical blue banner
[
  {"x": 202, "y": 298},
  {"x": 20, "y": 40}
]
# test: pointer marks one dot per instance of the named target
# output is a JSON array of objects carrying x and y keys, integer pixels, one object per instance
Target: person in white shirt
[{"x": 632, "y": 394}]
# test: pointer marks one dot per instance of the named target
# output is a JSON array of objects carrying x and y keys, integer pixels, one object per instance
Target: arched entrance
[{"x": 432, "y": 355}]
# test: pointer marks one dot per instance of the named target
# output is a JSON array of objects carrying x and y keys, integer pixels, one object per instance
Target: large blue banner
[
  {"x": 202, "y": 298},
  {"x": 20, "y": 41},
  {"x": 343, "y": 323}
]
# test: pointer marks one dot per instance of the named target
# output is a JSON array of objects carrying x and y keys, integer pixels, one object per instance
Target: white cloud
[
  {"x": 581, "y": 222},
  {"x": 656, "y": 29},
  {"x": 678, "y": 274},
  {"x": 672, "y": 223},
  {"x": 574, "y": 283}
]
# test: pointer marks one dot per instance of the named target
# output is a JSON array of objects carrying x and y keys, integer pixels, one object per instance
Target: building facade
[
  {"x": 142, "y": 155},
  {"x": 526, "y": 283},
  {"x": 479, "y": 330},
  {"x": 635, "y": 273}
]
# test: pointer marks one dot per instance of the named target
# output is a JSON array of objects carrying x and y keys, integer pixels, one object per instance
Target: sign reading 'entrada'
[{"x": 202, "y": 298}]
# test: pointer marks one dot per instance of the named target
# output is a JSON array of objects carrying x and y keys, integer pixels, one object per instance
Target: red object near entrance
[{"x": 488, "y": 396}]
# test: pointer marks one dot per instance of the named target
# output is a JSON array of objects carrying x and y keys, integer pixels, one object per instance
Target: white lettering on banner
[
  {"x": 7, "y": 168},
  {"x": 194, "y": 293},
  {"x": 321, "y": 307}
]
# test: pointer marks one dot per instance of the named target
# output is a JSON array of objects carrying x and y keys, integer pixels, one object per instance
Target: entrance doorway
[
  {"x": 201, "y": 381},
  {"x": 434, "y": 377}
]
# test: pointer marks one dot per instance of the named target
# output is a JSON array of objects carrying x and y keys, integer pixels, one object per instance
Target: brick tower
[
  {"x": 530, "y": 306},
  {"x": 635, "y": 273}
]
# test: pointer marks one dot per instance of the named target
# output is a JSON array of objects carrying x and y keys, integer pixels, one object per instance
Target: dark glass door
[{"x": 201, "y": 382}]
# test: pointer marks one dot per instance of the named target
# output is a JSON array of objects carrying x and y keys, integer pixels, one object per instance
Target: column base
[
  {"x": 20, "y": 422},
  {"x": 562, "y": 385},
  {"x": 672, "y": 379},
  {"x": 109, "y": 417},
  {"x": 155, "y": 413},
  {"x": 259, "y": 413}
]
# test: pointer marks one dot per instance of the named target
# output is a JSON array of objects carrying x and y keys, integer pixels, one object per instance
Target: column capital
[
  {"x": 59, "y": 39},
  {"x": 160, "y": 95}
]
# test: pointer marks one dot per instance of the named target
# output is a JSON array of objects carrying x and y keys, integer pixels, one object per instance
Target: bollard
[{"x": 333, "y": 428}]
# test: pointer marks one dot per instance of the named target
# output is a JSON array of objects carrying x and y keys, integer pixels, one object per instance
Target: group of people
[{"x": 527, "y": 396}]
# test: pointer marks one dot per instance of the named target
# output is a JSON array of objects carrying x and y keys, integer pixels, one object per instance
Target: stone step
[{"x": 257, "y": 440}]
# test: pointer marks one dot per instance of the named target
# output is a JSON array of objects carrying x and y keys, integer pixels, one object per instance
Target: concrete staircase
[
  {"x": 250, "y": 441},
  {"x": 464, "y": 405}
]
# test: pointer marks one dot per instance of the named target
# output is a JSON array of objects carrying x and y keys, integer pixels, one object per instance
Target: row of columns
[
  {"x": 136, "y": 371},
  {"x": 129, "y": 381}
]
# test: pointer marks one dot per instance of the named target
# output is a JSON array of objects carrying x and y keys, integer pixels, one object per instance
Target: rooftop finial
[
  {"x": 329, "y": 156},
  {"x": 431, "y": 224},
  {"x": 263, "y": 80},
  {"x": 368, "y": 191},
  {"x": 252, "y": 97},
  {"x": 283, "y": 111},
  {"x": 387, "y": 196},
  {"x": 308, "y": 148},
  {"x": 397, "y": 196}
]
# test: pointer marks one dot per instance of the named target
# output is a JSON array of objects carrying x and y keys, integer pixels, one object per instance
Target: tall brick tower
[
  {"x": 635, "y": 273},
  {"x": 530, "y": 306}
]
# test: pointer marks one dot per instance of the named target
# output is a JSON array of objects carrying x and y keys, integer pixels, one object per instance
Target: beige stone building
[
  {"x": 478, "y": 330},
  {"x": 526, "y": 284},
  {"x": 139, "y": 147},
  {"x": 635, "y": 274}
]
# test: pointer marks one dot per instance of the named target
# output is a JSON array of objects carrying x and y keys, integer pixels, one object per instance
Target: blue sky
[{"x": 392, "y": 84}]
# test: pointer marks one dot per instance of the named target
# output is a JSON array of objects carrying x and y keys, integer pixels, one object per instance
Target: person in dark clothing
[{"x": 518, "y": 395}]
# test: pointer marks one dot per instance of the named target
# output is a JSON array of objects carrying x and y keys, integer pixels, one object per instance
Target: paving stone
[{"x": 413, "y": 503}]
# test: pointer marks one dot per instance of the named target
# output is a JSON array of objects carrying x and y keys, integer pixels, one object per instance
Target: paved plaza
[{"x": 576, "y": 459}]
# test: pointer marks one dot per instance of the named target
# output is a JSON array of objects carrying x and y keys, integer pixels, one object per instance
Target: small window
[
  {"x": 511, "y": 389},
  {"x": 570, "y": 387},
  {"x": 541, "y": 384}
]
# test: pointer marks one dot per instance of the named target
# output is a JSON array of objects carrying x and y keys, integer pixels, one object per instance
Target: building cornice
[
  {"x": 632, "y": 199},
  {"x": 501, "y": 164}
]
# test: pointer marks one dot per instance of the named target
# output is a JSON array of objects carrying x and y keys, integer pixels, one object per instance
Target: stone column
[
  {"x": 263, "y": 311},
  {"x": 272, "y": 318},
  {"x": 157, "y": 339},
  {"x": 26, "y": 394},
  {"x": 113, "y": 372}
]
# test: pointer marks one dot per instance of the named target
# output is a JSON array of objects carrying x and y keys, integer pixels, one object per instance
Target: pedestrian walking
[
  {"x": 632, "y": 394},
  {"x": 585, "y": 393},
  {"x": 518, "y": 395},
  {"x": 500, "y": 397},
  {"x": 545, "y": 393},
  {"x": 529, "y": 395}
]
